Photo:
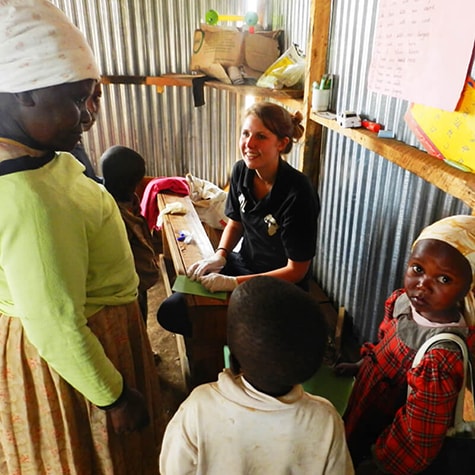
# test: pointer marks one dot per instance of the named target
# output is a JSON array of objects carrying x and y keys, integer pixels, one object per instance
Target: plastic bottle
[{"x": 235, "y": 75}]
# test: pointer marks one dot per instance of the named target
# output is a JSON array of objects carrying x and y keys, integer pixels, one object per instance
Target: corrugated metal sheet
[
  {"x": 372, "y": 209},
  {"x": 153, "y": 37},
  {"x": 292, "y": 17}
]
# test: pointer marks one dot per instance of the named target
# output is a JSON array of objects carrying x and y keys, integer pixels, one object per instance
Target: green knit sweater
[{"x": 64, "y": 255}]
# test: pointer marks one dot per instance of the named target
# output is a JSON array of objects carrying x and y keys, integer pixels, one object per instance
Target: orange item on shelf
[{"x": 373, "y": 126}]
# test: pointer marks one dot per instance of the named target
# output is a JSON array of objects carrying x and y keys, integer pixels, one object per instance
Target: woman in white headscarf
[{"x": 78, "y": 389}]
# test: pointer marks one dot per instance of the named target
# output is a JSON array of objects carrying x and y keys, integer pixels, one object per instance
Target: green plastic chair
[{"x": 327, "y": 384}]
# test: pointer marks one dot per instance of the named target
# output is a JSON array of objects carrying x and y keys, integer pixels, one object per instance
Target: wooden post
[{"x": 316, "y": 66}]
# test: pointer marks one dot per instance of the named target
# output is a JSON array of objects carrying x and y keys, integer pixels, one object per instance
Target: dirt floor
[{"x": 165, "y": 348}]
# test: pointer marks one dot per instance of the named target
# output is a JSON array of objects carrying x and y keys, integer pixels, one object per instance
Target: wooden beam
[{"x": 317, "y": 60}]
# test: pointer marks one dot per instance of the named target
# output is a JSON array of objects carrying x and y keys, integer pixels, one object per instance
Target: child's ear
[{"x": 234, "y": 364}]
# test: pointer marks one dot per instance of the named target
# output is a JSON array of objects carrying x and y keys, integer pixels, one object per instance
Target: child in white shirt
[{"x": 257, "y": 419}]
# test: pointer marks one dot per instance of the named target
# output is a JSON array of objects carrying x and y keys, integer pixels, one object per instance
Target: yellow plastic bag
[{"x": 287, "y": 71}]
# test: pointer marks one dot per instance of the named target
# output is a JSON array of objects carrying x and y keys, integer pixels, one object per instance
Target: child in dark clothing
[{"x": 123, "y": 169}]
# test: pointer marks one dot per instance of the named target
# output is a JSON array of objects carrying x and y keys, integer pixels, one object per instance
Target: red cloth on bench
[{"x": 149, "y": 206}]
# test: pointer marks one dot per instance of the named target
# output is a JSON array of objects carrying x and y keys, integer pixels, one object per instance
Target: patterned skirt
[{"x": 47, "y": 427}]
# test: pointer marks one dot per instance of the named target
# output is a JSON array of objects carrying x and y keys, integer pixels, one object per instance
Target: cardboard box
[{"x": 216, "y": 49}]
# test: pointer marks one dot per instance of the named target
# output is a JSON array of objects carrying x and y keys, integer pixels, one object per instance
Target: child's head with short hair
[
  {"x": 439, "y": 280},
  {"x": 277, "y": 334},
  {"x": 122, "y": 169}
]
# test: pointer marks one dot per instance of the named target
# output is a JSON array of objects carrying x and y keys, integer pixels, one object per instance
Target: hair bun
[
  {"x": 298, "y": 127},
  {"x": 297, "y": 117}
]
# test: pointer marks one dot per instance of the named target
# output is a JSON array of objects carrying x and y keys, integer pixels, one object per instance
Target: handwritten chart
[{"x": 422, "y": 50}]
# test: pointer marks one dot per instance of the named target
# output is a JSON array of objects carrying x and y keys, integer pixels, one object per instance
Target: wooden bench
[{"x": 202, "y": 354}]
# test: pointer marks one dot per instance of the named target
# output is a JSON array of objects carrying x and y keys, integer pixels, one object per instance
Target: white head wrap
[
  {"x": 459, "y": 232},
  {"x": 40, "y": 47}
]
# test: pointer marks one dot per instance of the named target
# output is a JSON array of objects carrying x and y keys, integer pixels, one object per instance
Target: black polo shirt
[{"x": 281, "y": 226}]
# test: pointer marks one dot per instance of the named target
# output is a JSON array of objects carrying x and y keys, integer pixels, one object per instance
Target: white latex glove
[
  {"x": 216, "y": 282},
  {"x": 211, "y": 264}
]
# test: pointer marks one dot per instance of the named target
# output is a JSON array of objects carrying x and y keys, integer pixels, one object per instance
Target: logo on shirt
[
  {"x": 242, "y": 203},
  {"x": 272, "y": 225}
]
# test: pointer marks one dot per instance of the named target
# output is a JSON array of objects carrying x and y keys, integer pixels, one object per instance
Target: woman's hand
[
  {"x": 216, "y": 282},
  {"x": 211, "y": 264},
  {"x": 131, "y": 414}
]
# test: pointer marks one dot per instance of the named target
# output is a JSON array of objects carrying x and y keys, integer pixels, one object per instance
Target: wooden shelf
[
  {"x": 290, "y": 97},
  {"x": 449, "y": 179}
]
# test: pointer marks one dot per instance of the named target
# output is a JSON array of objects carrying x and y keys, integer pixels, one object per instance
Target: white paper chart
[{"x": 422, "y": 50}]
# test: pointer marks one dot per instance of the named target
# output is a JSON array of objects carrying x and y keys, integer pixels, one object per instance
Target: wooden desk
[{"x": 203, "y": 358}]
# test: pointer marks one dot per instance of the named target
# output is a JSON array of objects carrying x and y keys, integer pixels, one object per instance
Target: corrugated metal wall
[
  {"x": 372, "y": 209},
  {"x": 153, "y": 37}
]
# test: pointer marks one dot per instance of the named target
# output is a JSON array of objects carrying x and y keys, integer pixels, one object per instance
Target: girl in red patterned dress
[{"x": 403, "y": 434}]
